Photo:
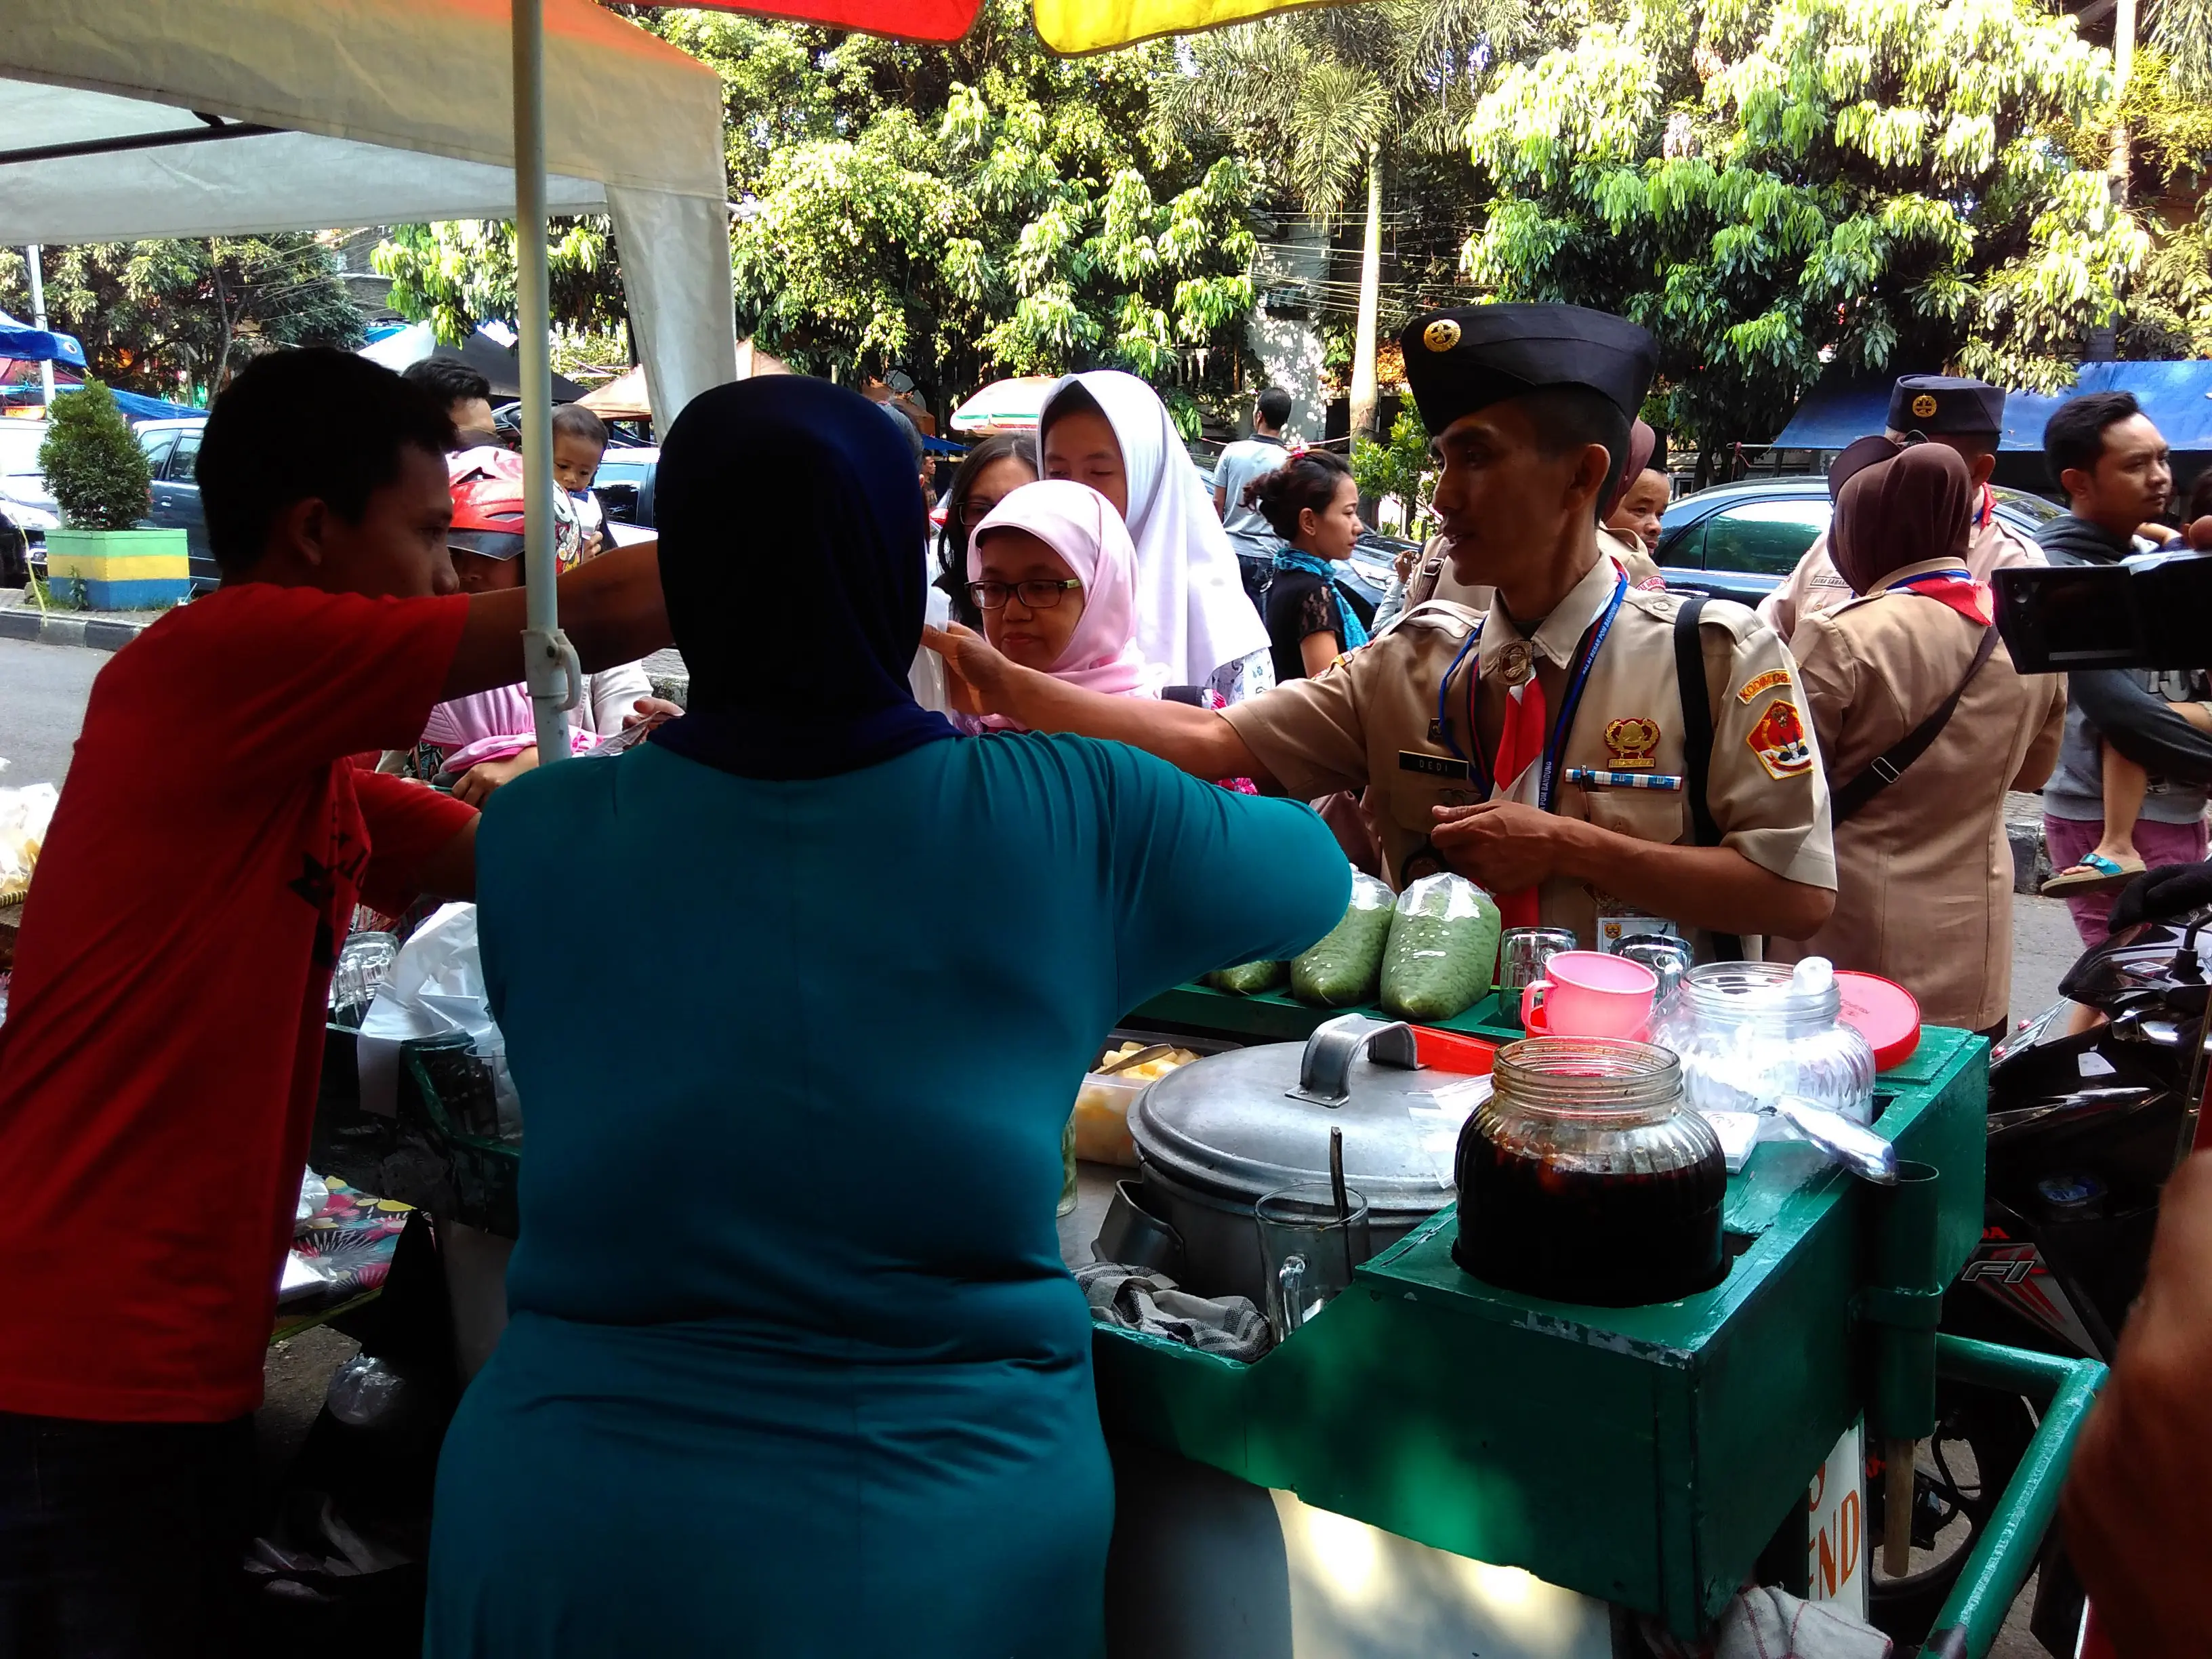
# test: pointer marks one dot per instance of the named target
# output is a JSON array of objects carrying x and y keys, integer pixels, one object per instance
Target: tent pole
[
  {"x": 555, "y": 682},
  {"x": 39, "y": 319}
]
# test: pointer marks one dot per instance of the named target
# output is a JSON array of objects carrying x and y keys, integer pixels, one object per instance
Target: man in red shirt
[{"x": 159, "y": 1063}]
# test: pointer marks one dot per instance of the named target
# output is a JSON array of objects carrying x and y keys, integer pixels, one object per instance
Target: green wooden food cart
[
  {"x": 1432, "y": 1466},
  {"x": 1652, "y": 1459}
]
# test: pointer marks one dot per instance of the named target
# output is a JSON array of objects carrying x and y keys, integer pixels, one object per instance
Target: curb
[
  {"x": 2031, "y": 866},
  {"x": 95, "y": 633}
]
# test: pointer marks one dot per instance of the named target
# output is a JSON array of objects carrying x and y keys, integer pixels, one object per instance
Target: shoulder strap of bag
[
  {"x": 1846, "y": 802},
  {"x": 1698, "y": 743}
]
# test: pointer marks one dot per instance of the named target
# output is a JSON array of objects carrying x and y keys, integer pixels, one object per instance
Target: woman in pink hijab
[{"x": 1055, "y": 574}]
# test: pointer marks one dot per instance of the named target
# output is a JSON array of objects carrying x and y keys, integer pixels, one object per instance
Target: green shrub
[{"x": 93, "y": 463}]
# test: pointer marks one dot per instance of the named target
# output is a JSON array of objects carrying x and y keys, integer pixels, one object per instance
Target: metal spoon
[{"x": 1854, "y": 1145}]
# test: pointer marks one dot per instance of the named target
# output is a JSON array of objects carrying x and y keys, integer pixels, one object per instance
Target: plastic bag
[
  {"x": 1340, "y": 971},
  {"x": 437, "y": 986},
  {"x": 1249, "y": 979},
  {"x": 25, "y": 815},
  {"x": 314, "y": 1194},
  {"x": 1444, "y": 945}
]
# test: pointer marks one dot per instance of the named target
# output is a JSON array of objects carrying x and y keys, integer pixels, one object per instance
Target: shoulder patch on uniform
[
  {"x": 1779, "y": 741},
  {"x": 1766, "y": 682}
]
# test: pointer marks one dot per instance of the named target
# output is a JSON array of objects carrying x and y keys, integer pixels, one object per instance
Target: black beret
[
  {"x": 1930, "y": 403},
  {"x": 1472, "y": 356}
]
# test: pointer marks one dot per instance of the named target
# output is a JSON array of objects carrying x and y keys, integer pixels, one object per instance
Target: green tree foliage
[
  {"x": 150, "y": 314},
  {"x": 1400, "y": 467},
  {"x": 1884, "y": 184},
  {"x": 1329, "y": 98},
  {"x": 967, "y": 211},
  {"x": 93, "y": 462},
  {"x": 459, "y": 273}
]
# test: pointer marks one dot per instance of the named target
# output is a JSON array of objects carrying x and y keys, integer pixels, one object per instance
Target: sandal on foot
[{"x": 2094, "y": 874}]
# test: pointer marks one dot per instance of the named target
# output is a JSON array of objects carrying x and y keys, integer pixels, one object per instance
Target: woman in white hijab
[{"x": 1111, "y": 430}]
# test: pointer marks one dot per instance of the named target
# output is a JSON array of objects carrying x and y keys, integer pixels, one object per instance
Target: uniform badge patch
[
  {"x": 1766, "y": 682},
  {"x": 1442, "y": 335},
  {"x": 1780, "y": 743},
  {"x": 1629, "y": 744},
  {"x": 1923, "y": 405}
]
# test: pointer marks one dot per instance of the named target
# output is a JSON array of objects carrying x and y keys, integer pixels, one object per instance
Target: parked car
[
  {"x": 624, "y": 483},
  {"x": 173, "y": 453},
  {"x": 27, "y": 509},
  {"x": 1740, "y": 541}
]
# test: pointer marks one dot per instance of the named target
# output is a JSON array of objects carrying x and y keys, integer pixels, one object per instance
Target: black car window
[
  {"x": 1767, "y": 538},
  {"x": 157, "y": 448},
  {"x": 1682, "y": 546},
  {"x": 184, "y": 459}
]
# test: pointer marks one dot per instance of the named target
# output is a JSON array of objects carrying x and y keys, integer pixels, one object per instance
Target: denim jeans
[{"x": 123, "y": 1538}]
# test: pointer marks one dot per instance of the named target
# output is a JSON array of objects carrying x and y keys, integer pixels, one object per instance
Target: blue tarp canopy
[
  {"x": 136, "y": 407},
  {"x": 37, "y": 345},
  {"x": 2176, "y": 396}
]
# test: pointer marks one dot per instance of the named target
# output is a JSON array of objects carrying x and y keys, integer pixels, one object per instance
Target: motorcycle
[{"x": 2084, "y": 1128}]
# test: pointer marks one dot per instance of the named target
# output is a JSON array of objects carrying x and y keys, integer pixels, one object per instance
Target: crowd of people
[{"x": 773, "y": 1384}]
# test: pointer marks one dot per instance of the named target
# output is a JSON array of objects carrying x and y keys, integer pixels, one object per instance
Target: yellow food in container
[{"x": 1102, "y": 1105}]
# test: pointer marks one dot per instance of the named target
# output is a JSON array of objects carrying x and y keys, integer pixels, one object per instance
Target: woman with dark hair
[
  {"x": 792, "y": 1393},
  {"x": 1313, "y": 505},
  {"x": 989, "y": 472}
]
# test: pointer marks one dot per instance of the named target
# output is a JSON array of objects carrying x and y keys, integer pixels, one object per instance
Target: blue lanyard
[
  {"x": 1579, "y": 674},
  {"x": 1932, "y": 576}
]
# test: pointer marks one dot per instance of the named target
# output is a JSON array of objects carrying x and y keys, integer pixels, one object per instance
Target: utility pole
[
  {"x": 2123, "y": 55},
  {"x": 38, "y": 319},
  {"x": 1371, "y": 286}
]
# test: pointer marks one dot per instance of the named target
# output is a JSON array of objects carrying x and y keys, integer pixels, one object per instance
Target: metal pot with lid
[{"x": 1217, "y": 1135}]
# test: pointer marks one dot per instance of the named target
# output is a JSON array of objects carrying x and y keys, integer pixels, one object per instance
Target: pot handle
[{"x": 1325, "y": 1071}]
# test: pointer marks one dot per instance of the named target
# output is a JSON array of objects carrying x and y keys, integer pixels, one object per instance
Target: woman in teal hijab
[{"x": 794, "y": 1368}]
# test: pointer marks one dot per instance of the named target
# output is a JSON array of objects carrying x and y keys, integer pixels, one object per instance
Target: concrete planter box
[{"x": 120, "y": 569}]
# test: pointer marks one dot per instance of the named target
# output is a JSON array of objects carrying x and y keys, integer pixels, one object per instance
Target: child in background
[
  {"x": 580, "y": 438},
  {"x": 484, "y": 740}
]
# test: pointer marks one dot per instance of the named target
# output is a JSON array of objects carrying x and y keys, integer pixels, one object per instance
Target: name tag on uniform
[{"x": 1435, "y": 766}]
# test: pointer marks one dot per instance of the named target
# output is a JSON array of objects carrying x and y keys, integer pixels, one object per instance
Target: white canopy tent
[
  {"x": 388, "y": 111},
  {"x": 207, "y": 117}
]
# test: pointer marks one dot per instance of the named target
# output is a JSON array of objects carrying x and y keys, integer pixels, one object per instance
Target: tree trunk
[
  {"x": 222, "y": 308},
  {"x": 1370, "y": 287},
  {"x": 2124, "y": 54}
]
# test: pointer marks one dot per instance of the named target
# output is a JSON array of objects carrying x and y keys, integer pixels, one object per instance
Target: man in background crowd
[
  {"x": 1964, "y": 415},
  {"x": 1248, "y": 458},
  {"x": 465, "y": 394},
  {"x": 2112, "y": 461}
]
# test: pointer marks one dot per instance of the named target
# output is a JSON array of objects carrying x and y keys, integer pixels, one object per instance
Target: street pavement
[{"x": 42, "y": 694}]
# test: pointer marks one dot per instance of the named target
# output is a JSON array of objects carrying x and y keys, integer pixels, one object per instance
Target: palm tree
[{"x": 1320, "y": 98}]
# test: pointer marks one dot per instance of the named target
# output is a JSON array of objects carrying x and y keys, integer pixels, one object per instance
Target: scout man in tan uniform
[
  {"x": 1545, "y": 759},
  {"x": 1964, "y": 415},
  {"x": 1923, "y": 725}
]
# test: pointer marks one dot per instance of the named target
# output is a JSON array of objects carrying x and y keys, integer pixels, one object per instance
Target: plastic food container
[
  {"x": 1102, "y": 1105},
  {"x": 1750, "y": 1032}
]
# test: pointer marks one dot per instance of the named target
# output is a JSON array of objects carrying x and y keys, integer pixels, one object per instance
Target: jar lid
[
  {"x": 1885, "y": 1013},
  {"x": 1244, "y": 1123}
]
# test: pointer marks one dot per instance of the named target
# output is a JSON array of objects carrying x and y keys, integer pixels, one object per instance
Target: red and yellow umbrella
[{"x": 1067, "y": 26}]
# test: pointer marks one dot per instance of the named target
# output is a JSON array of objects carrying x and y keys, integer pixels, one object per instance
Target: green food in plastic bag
[
  {"x": 1443, "y": 944},
  {"x": 1249, "y": 979},
  {"x": 1340, "y": 972}
]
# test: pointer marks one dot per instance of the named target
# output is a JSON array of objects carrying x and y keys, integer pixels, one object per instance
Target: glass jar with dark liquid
[{"x": 1584, "y": 1177}]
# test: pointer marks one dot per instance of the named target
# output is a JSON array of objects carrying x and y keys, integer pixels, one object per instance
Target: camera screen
[{"x": 2068, "y": 617}]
